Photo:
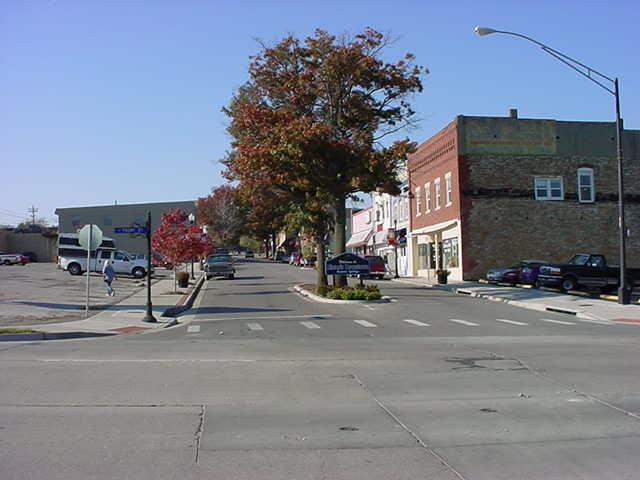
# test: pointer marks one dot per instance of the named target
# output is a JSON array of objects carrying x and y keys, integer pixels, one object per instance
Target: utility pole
[{"x": 33, "y": 210}]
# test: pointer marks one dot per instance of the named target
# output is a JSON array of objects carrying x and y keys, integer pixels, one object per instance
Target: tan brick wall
[{"x": 503, "y": 223}]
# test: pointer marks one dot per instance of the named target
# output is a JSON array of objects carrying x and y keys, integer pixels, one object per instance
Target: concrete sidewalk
[
  {"x": 123, "y": 317},
  {"x": 542, "y": 300}
]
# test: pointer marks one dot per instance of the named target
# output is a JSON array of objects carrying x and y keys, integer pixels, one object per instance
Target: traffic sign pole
[{"x": 86, "y": 308}]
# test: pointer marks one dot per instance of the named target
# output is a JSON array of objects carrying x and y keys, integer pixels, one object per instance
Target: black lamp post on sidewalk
[
  {"x": 149, "y": 316},
  {"x": 624, "y": 292},
  {"x": 192, "y": 218}
]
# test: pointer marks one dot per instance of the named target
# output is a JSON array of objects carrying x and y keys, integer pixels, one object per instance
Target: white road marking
[
  {"x": 193, "y": 329},
  {"x": 463, "y": 322},
  {"x": 512, "y": 322},
  {"x": 310, "y": 325},
  {"x": 364, "y": 323},
  {"x": 254, "y": 326},
  {"x": 262, "y": 318},
  {"x": 599, "y": 322},
  {"x": 416, "y": 322},
  {"x": 557, "y": 321}
]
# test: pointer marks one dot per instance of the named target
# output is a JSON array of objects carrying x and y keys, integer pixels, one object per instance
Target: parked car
[
  {"x": 31, "y": 256},
  {"x": 10, "y": 258},
  {"x": 528, "y": 274},
  {"x": 377, "y": 267},
  {"x": 296, "y": 259},
  {"x": 279, "y": 256},
  {"x": 512, "y": 274},
  {"x": 158, "y": 260},
  {"x": 249, "y": 254},
  {"x": 587, "y": 270},
  {"x": 218, "y": 265},
  {"x": 24, "y": 259}
]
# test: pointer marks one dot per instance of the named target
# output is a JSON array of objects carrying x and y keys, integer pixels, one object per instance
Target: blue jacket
[{"x": 107, "y": 270}]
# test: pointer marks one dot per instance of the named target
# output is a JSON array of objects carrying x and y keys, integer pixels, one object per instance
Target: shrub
[
  {"x": 374, "y": 296},
  {"x": 335, "y": 294}
]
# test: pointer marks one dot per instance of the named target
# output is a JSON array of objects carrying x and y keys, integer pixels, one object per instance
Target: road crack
[
  {"x": 406, "y": 428},
  {"x": 199, "y": 430}
]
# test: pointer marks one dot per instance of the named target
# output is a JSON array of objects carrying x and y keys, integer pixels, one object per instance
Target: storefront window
[
  {"x": 450, "y": 253},
  {"x": 422, "y": 256},
  {"x": 432, "y": 255}
]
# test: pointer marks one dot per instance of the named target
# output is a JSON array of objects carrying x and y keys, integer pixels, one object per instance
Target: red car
[{"x": 377, "y": 266}]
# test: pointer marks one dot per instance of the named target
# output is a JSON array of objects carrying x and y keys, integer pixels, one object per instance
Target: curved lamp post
[{"x": 601, "y": 80}]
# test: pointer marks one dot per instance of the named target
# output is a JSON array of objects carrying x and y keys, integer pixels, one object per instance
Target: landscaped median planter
[{"x": 357, "y": 294}]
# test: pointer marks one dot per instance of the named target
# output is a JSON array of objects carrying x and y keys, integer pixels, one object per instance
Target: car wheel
[
  {"x": 568, "y": 283},
  {"x": 537, "y": 284},
  {"x": 232, "y": 276},
  {"x": 74, "y": 269},
  {"x": 138, "y": 272},
  {"x": 208, "y": 277},
  {"x": 7, "y": 262}
]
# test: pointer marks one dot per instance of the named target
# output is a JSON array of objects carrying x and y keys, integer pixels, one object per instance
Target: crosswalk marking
[
  {"x": 310, "y": 325},
  {"x": 513, "y": 322},
  {"x": 364, "y": 323},
  {"x": 416, "y": 322},
  {"x": 254, "y": 326},
  {"x": 463, "y": 322},
  {"x": 557, "y": 321},
  {"x": 193, "y": 329}
]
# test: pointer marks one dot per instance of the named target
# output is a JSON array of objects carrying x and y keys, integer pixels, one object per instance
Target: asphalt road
[{"x": 261, "y": 383}]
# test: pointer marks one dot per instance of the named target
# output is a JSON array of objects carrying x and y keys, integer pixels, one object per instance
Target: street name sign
[
  {"x": 130, "y": 230},
  {"x": 347, "y": 264}
]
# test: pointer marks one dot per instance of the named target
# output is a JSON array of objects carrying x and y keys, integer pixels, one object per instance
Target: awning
[
  {"x": 435, "y": 228},
  {"x": 359, "y": 239}
]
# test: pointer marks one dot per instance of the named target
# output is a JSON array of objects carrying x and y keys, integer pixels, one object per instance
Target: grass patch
[{"x": 17, "y": 330}]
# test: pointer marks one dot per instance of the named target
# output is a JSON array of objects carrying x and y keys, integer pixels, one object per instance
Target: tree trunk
[
  {"x": 321, "y": 278},
  {"x": 339, "y": 230},
  {"x": 274, "y": 239}
]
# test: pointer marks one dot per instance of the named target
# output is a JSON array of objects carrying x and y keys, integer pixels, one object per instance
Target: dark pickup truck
[{"x": 586, "y": 270}]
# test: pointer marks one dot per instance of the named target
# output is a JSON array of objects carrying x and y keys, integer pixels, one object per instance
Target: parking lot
[{"x": 39, "y": 293}]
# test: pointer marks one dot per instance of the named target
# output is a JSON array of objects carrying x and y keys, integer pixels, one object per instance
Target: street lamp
[
  {"x": 192, "y": 218},
  {"x": 624, "y": 294}
]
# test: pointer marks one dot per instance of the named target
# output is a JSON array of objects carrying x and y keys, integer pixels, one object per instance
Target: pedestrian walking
[{"x": 107, "y": 271}]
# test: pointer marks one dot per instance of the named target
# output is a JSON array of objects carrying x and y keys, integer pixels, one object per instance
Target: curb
[
  {"x": 40, "y": 336},
  {"x": 318, "y": 298},
  {"x": 516, "y": 303},
  {"x": 178, "y": 309}
]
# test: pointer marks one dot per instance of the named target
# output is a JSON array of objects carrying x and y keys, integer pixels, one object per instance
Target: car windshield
[
  {"x": 579, "y": 259},
  {"x": 218, "y": 258}
]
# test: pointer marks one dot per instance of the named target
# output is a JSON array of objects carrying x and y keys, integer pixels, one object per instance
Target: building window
[
  {"x": 436, "y": 184},
  {"x": 418, "y": 202},
  {"x": 450, "y": 253},
  {"x": 448, "y": 188},
  {"x": 549, "y": 188},
  {"x": 586, "y": 192},
  {"x": 75, "y": 221},
  {"x": 423, "y": 253},
  {"x": 427, "y": 197},
  {"x": 107, "y": 221}
]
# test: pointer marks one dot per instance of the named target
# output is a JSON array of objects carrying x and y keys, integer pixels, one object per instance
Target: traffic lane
[
  {"x": 438, "y": 307},
  {"x": 259, "y": 288},
  {"x": 40, "y": 293}
]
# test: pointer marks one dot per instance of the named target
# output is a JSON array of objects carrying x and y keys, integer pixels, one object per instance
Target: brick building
[{"x": 490, "y": 191}]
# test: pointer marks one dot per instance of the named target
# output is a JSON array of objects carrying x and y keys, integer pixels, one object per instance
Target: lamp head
[{"x": 482, "y": 31}]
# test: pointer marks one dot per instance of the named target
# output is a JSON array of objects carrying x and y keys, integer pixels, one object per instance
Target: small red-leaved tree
[{"x": 178, "y": 240}]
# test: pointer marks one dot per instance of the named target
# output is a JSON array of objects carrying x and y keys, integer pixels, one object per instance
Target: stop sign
[{"x": 96, "y": 237}]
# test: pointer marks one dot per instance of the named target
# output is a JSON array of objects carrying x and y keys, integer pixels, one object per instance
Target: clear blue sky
[{"x": 119, "y": 100}]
